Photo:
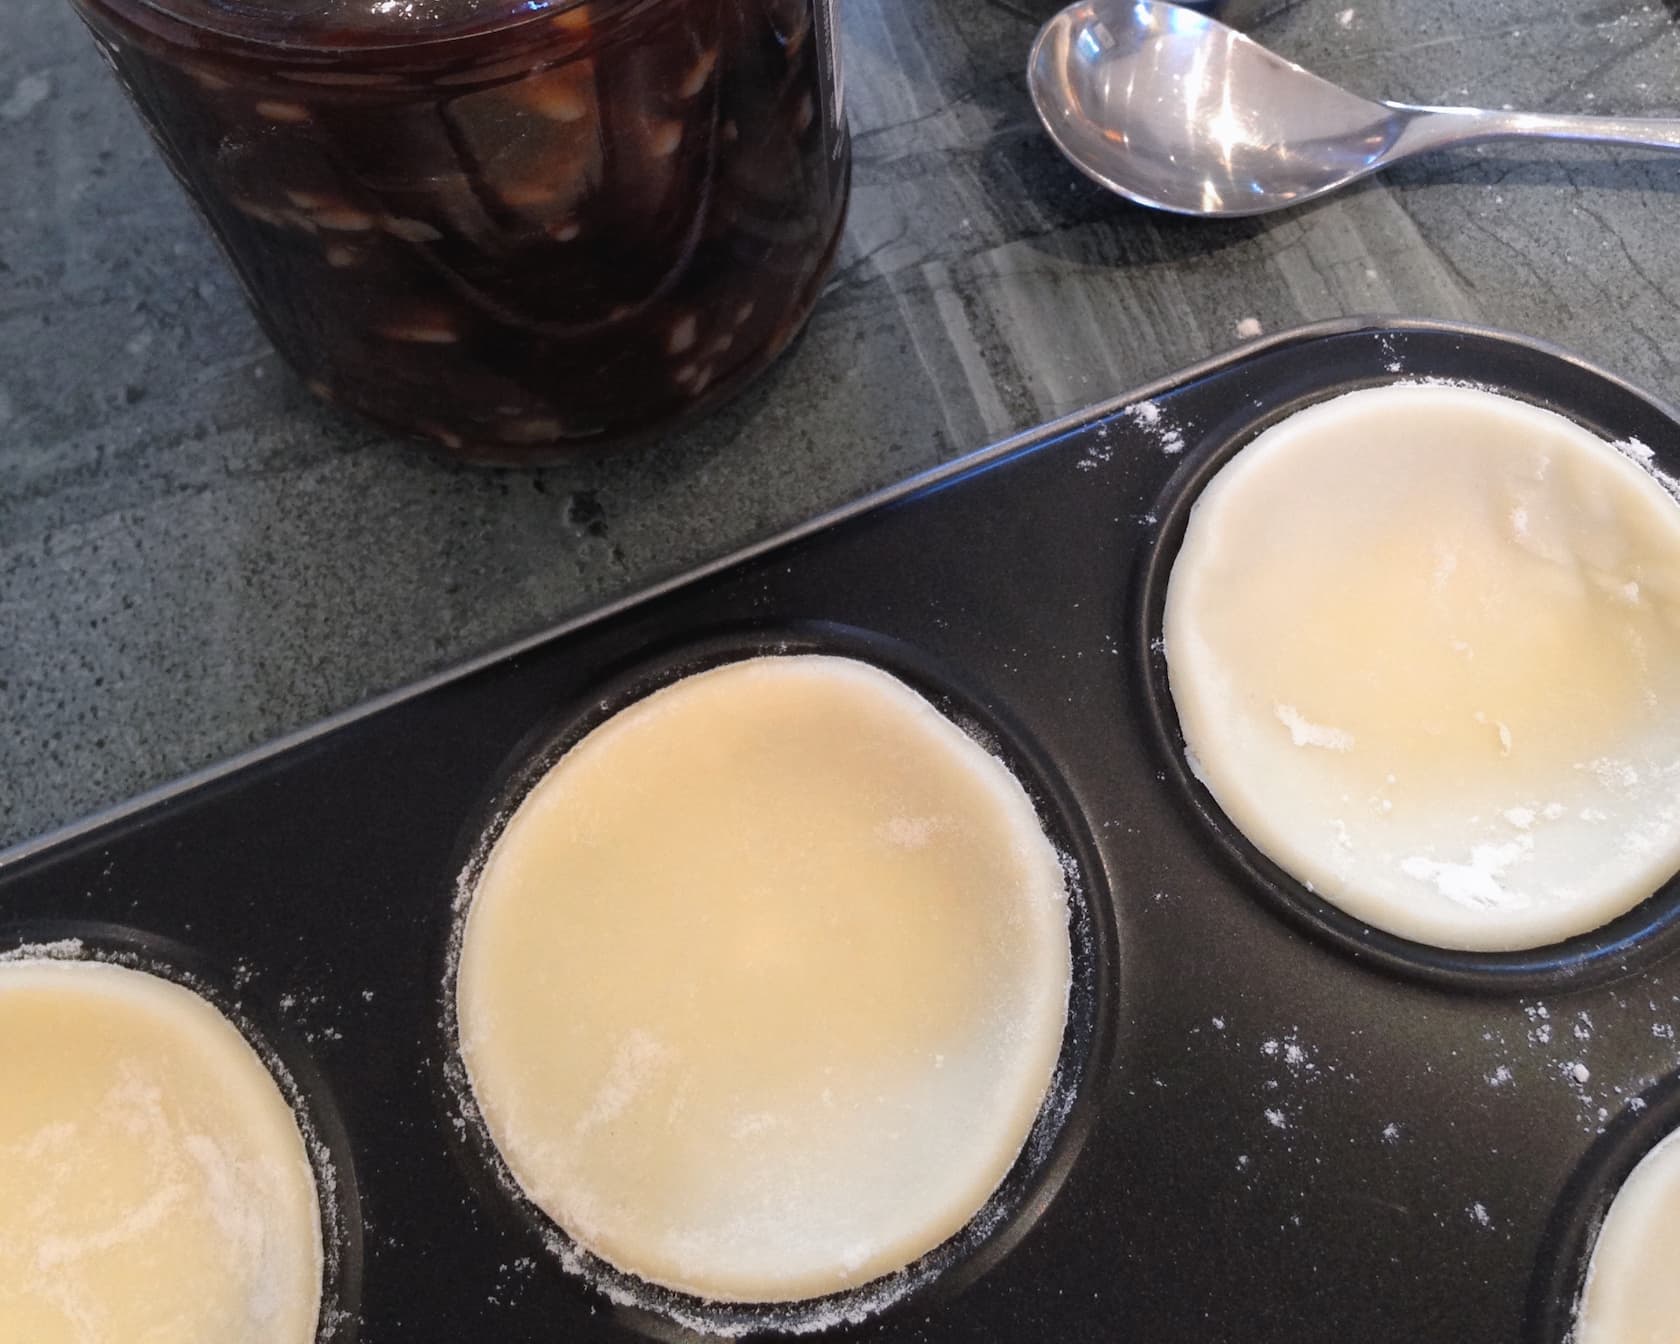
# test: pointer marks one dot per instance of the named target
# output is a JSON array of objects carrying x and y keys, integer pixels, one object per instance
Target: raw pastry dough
[
  {"x": 1633, "y": 1284},
  {"x": 153, "y": 1182},
  {"x": 1424, "y": 643},
  {"x": 763, "y": 986}
]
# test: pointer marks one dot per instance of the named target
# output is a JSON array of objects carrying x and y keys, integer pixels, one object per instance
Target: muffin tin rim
[{"x": 122, "y": 835}]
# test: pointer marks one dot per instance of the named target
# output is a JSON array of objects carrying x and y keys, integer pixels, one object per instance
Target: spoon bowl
[{"x": 1175, "y": 110}]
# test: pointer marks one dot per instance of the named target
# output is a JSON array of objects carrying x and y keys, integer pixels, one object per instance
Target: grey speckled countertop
[{"x": 195, "y": 558}]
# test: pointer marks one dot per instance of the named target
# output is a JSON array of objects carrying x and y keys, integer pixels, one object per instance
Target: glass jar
[{"x": 512, "y": 228}]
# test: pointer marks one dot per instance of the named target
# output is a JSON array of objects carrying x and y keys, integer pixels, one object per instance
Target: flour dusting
[
  {"x": 1304, "y": 733},
  {"x": 1148, "y": 415},
  {"x": 1478, "y": 884}
]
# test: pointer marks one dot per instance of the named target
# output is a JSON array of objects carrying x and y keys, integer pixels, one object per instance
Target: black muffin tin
[{"x": 1284, "y": 1125}]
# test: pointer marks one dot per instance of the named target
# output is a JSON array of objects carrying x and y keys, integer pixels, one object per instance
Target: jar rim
[{"x": 257, "y": 26}]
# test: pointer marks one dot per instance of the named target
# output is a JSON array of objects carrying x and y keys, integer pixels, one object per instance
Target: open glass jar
[{"x": 514, "y": 227}]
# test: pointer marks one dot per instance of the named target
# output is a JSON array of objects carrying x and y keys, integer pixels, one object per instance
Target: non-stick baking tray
[{"x": 1283, "y": 1125}]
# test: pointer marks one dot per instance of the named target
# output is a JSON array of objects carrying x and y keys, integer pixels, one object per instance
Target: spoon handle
[{"x": 1429, "y": 128}]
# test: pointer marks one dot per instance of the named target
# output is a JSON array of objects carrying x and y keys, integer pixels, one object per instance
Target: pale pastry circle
[
  {"x": 1632, "y": 1295},
  {"x": 1424, "y": 645},
  {"x": 154, "y": 1184},
  {"x": 763, "y": 986}
]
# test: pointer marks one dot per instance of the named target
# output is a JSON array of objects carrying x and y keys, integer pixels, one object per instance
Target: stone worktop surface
[{"x": 196, "y": 558}]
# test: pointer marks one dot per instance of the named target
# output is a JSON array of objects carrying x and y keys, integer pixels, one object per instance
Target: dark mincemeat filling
[{"x": 572, "y": 231}]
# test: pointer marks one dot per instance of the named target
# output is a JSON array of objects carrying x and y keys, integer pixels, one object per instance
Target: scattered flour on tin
[
  {"x": 512, "y": 1279},
  {"x": 1148, "y": 416},
  {"x": 1297, "y": 1067},
  {"x": 65, "y": 949},
  {"x": 1391, "y": 1133},
  {"x": 1248, "y": 328},
  {"x": 1560, "y": 1048},
  {"x": 1295, "y": 1055},
  {"x": 1099, "y": 452},
  {"x": 1479, "y": 1215}
]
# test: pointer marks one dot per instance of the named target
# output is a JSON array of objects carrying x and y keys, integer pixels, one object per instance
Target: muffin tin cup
[
  {"x": 1622, "y": 947},
  {"x": 1064, "y": 1116},
  {"x": 1282, "y": 1124},
  {"x": 1560, "y": 1276},
  {"x": 285, "y": 1056}
]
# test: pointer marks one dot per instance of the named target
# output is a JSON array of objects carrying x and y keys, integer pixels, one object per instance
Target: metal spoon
[{"x": 1175, "y": 110}]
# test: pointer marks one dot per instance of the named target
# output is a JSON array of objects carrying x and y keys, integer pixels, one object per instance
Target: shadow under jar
[{"x": 515, "y": 227}]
